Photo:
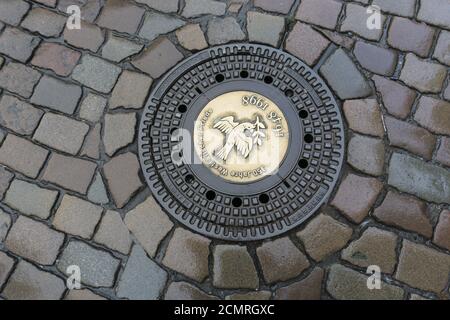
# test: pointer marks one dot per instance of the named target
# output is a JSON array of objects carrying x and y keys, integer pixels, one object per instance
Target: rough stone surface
[
  {"x": 410, "y": 137},
  {"x": 92, "y": 107},
  {"x": 217, "y": 36},
  {"x": 434, "y": 115},
  {"x": 258, "y": 295},
  {"x": 30, "y": 199},
  {"x": 346, "y": 284},
  {"x": 23, "y": 156},
  {"x": 323, "y": 236},
  {"x": 119, "y": 131},
  {"x": 399, "y": 7},
  {"x": 6, "y": 264},
  {"x": 30, "y": 283},
  {"x": 5, "y": 179},
  {"x": 17, "y": 44},
  {"x": 280, "y": 6},
  {"x": 442, "y": 50},
  {"x": 167, "y": 6},
  {"x": 195, "y": 8},
  {"x": 117, "y": 49},
  {"x": 159, "y": 58},
  {"x": 442, "y": 155},
  {"x": 156, "y": 24},
  {"x": 45, "y": 22},
  {"x": 431, "y": 12},
  {"x": 130, "y": 91},
  {"x": 57, "y": 95},
  {"x": 306, "y": 289},
  {"x": 264, "y": 28},
  {"x": 364, "y": 116},
  {"x": 323, "y": 13},
  {"x": 89, "y": 8},
  {"x": 17, "y": 78},
  {"x": 233, "y": 268},
  {"x": 56, "y": 57},
  {"x": 89, "y": 37},
  {"x": 98, "y": 267},
  {"x": 97, "y": 191},
  {"x": 374, "y": 247},
  {"x": 5, "y": 223},
  {"x": 422, "y": 179},
  {"x": 92, "y": 142},
  {"x": 122, "y": 177},
  {"x": 77, "y": 217},
  {"x": 407, "y": 35},
  {"x": 404, "y": 212},
  {"x": 41, "y": 243},
  {"x": 12, "y": 11},
  {"x": 188, "y": 253},
  {"x": 301, "y": 34},
  {"x": 149, "y": 224},
  {"x": 356, "y": 195},
  {"x": 121, "y": 16},
  {"x": 375, "y": 59},
  {"x": 344, "y": 77},
  {"x": 184, "y": 291},
  {"x": 366, "y": 154},
  {"x": 415, "y": 263},
  {"x": 83, "y": 294},
  {"x": 281, "y": 260},
  {"x": 18, "y": 116},
  {"x": 191, "y": 37},
  {"x": 61, "y": 133},
  {"x": 442, "y": 231},
  {"x": 113, "y": 233},
  {"x": 70, "y": 173},
  {"x": 356, "y": 22},
  {"x": 423, "y": 75},
  {"x": 142, "y": 278},
  {"x": 397, "y": 99},
  {"x": 96, "y": 73}
]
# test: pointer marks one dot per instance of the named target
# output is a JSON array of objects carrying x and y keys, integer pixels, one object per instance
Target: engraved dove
[{"x": 236, "y": 135}]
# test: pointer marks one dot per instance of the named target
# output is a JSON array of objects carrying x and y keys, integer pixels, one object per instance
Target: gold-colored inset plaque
[{"x": 241, "y": 136}]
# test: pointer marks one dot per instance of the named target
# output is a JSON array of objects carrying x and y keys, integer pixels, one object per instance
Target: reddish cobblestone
[
  {"x": 323, "y": 13},
  {"x": 58, "y": 58},
  {"x": 120, "y": 16}
]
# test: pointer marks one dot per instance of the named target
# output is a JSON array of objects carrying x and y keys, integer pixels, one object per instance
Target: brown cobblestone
[
  {"x": 280, "y": 6},
  {"x": 19, "y": 116},
  {"x": 5, "y": 178},
  {"x": 45, "y": 22},
  {"x": 443, "y": 153},
  {"x": 113, "y": 233},
  {"x": 89, "y": 37},
  {"x": 442, "y": 231},
  {"x": 323, "y": 13},
  {"x": 434, "y": 115},
  {"x": 442, "y": 50},
  {"x": 20, "y": 79},
  {"x": 191, "y": 37},
  {"x": 259, "y": 295},
  {"x": 375, "y": 59},
  {"x": 185, "y": 291},
  {"x": 366, "y": 154},
  {"x": 12, "y": 11},
  {"x": 423, "y": 75},
  {"x": 92, "y": 142},
  {"x": 130, "y": 91},
  {"x": 56, "y": 57},
  {"x": 120, "y": 16},
  {"x": 356, "y": 21},
  {"x": 364, "y": 116},
  {"x": 306, "y": 289},
  {"x": 17, "y": 44}
]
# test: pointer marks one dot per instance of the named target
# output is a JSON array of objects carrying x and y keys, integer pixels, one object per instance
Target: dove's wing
[
  {"x": 226, "y": 125},
  {"x": 244, "y": 145}
]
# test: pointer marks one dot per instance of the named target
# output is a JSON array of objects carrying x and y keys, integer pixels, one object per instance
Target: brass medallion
[{"x": 241, "y": 136}]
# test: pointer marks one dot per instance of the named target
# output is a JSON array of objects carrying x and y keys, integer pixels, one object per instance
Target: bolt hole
[
  {"x": 244, "y": 74},
  {"x": 210, "y": 195},
  {"x": 303, "y": 163},
  {"x": 173, "y": 130},
  {"x": 308, "y": 138},
  {"x": 303, "y": 114},
  {"x": 220, "y": 78},
  {"x": 263, "y": 198},
  {"x": 189, "y": 178},
  {"x": 289, "y": 93},
  {"x": 268, "y": 79},
  {"x": 182, "y": 108},
  {"x": 236, "y": 202}
]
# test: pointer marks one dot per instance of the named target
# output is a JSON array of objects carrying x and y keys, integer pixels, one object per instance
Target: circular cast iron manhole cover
[{"x": 241, "y": 142}]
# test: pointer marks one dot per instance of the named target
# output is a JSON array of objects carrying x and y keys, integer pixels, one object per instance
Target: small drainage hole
[
  {"x": 303, "y": 163},
  {"x": 303, "y": 114},
  {"x": 244, "y": 74},
  {"x": 289, "y": 93},
  {"x": 189, "y": 178},
  {"x": 182, "y": 108},
  {"x": 268, "y": 79},
  {"x": 198, "y": 90},
  {"x": 210, "y": 195},
  {"x": 237, "y": 202},
  {"x": 263, "y": 198},
  {"x": 308, "y": 138},
  {"x": 220, "y": 78}
]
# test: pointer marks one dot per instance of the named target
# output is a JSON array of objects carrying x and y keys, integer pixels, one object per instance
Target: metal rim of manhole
[{"x": 241, "y": 142}]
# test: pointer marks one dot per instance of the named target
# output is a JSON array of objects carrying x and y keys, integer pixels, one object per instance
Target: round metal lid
[{"x": 241, "y": 142}]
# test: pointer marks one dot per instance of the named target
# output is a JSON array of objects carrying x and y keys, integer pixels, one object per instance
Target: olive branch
[{"x": 257, "y": 134}]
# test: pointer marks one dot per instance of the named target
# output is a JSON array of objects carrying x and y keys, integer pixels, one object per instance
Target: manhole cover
[{"x": 241, "y": 142}]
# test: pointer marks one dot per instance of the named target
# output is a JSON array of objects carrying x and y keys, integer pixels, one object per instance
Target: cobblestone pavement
[{"x": 72, "y": 192}]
